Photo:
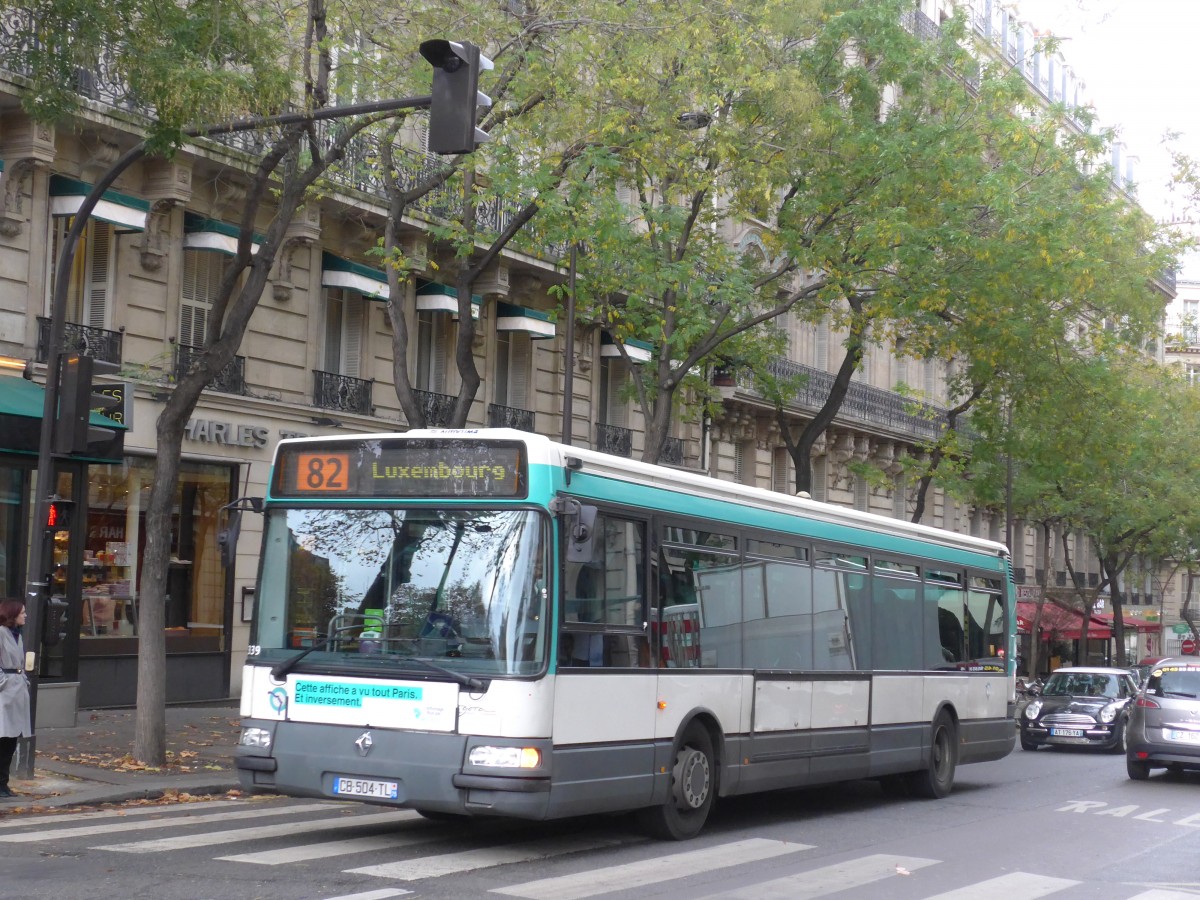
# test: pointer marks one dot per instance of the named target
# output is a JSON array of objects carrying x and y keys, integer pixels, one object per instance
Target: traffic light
[
  {"x": 58, "y": 514},
  {"x": 77, "y": 402},
  {"x": 454, "y": 107}
]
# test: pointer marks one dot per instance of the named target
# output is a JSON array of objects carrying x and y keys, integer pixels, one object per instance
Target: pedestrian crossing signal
[{"x": 58, "y": 515}]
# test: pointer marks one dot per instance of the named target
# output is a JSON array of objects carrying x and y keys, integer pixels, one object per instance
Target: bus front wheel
[
  {"x": 937, "y": 778},
  {"x": 693, "y": 785}
]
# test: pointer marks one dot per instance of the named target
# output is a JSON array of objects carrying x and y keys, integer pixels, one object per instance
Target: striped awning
[
  {"x": 535, "y": 323},
  {"x": 638, "y": 351},
  {"x": 342, "y": 273},
  {"x": 200, "y": 233},
  {"x": 67, "y": 196},
  {"x": 434, "y": 297}
]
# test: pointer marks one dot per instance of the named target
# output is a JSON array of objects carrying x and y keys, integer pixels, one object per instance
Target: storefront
[
  {"x": 94, "y": 554},
  {"x": 96, "y": 596},
  {"x": 1059, "y": 632}
]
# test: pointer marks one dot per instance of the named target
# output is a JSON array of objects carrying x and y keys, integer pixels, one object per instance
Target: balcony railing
[
  {"x": 672, "y": 452},
  {"x": 866, "y": 404},
  {"x": 614, "y": 439},
  {"x": 98, "y": 343},
  {"x": 344, "y": 393},
  {"x": 438, "y": 408},
  {"x": 230, "y": 380},
  {"x": 509, "y": 417}
]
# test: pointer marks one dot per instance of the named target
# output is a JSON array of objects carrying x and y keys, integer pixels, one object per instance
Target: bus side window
[{"x": 604, "y": 599}]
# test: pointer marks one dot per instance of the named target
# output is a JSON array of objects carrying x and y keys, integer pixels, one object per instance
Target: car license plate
[
  {"x": 1182, "y": 737},
  {"x": 1066, "y": 732},
  {"x": 359, "y": 787}
]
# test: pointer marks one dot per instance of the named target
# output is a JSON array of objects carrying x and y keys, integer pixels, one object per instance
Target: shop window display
[{"x": 116, "y": 542}]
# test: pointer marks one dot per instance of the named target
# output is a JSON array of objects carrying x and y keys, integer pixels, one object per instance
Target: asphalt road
[{"x": 1056, "y": 823}]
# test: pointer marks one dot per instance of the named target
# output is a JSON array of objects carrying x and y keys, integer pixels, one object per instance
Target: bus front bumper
[{"x": 419, "y": 770}]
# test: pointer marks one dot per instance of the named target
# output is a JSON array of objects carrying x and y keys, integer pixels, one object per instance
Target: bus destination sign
[{"x": 401, "y": 468}]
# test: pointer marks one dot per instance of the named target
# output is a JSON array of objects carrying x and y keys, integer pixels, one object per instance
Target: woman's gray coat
[{"x": 14, "y": 687}]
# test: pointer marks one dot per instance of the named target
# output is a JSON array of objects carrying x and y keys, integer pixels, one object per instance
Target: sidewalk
[{"x": 91, "y": 763}]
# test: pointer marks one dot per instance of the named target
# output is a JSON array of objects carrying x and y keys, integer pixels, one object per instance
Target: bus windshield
[{"x": 371, "y": 589}]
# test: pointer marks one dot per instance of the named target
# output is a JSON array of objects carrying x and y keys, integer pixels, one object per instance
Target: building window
[
  {"x": 614, "y": 377},
  {"x": 91, "y": 271},
  {"x": 345, "y": 314},
  {"x": 433, "y": 351},
  {"x": 514, "y": 369},
  {"x": 782, "y": 477},
  {"x": 202, "y": 270}
]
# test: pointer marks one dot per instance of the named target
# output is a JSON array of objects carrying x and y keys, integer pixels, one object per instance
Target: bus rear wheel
[
  {"x": 693, "y": 785},
  {"x": 937, "y": 778}
]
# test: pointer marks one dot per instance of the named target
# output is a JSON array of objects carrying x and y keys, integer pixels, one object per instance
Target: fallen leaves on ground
[{"x": 167, "y": 798}]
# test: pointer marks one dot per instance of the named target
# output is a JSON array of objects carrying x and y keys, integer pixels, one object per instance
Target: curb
[{"x": 100, "y": 794}]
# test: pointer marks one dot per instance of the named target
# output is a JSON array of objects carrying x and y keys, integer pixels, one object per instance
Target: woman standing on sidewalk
[{"x": 14, "y": 687}]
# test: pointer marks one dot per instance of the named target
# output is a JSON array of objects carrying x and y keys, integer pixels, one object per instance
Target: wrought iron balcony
[
  {"x": 230, "y": 380},
  {"x": 98, "y": 343},
  {"x": 869, "y": 405},
  {"x": 509, "y": 417},
  {"x": 344, "y": 393},
  {"x": 672, "y": 452},
  {"x": 438, "y": 408},
  {"x": 614, "y": 439}
]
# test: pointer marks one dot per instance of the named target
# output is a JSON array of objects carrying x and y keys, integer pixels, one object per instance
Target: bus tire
[
  {"x": 936, "y": 780},
  {"x": 693, "y": 786}
]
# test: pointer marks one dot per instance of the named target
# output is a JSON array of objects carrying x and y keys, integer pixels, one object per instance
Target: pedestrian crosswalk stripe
[
  {"x": 284, "y": 829},
  {"x": 1015, "y": 884},
  {"x": 26, "y": 837},
  {"x": 381, "y": 894},
  {"x": 828, "y": 879},
  {"x": 651, "y": 871},
  {"x": 122, "y": 813},
  {"x": 467, "y": 860},
  {"x": 1164, "y": 894},
  {"x": 305, "y": 852}
]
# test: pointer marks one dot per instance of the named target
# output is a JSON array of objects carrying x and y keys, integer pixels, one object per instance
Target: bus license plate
[
  {"x": 1066, "y": 732},
  {"x": 359, "y": 787},
  {"x": 1182, "y": 737}
]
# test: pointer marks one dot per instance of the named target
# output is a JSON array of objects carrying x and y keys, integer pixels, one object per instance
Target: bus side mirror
[{"x": 583, "y": 532}]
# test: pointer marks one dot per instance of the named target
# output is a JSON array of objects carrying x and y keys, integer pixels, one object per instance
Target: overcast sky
[{"x": 1138, "y": 59}]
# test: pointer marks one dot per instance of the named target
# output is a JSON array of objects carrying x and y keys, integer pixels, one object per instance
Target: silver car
[{"x": 1164, "y": 721}]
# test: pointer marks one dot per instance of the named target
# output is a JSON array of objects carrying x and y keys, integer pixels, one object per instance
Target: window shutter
[
  {"x": 781, "y": 471},
  {"x": 334, "y": 315},
  {"x": 201, "y": 278},
  {"x": 519, "y": 371},
  {"x": 352, "y": 342},
  {"x": 822, "y": 354},
  {"x": 100, "y": 245}
]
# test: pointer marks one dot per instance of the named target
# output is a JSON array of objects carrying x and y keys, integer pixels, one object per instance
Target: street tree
[{"x": 199, "y": 48}]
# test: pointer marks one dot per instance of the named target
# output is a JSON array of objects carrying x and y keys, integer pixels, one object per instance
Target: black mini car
[{"x": 1082, "y": 707}]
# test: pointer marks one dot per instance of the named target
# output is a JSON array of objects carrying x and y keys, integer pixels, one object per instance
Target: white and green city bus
[{"x": 487, "y": 623}]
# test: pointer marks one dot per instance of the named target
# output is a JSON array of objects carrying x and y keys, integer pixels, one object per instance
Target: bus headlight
[
  {"x": 256, "y": 737},
  {"x": 505, "y": 757}
]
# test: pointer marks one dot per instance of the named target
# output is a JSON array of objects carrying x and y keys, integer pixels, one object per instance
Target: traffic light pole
[{"x": 37, "y": 576}]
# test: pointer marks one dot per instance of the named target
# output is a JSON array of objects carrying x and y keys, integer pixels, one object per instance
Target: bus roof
[{"x": 543, "y": 451}]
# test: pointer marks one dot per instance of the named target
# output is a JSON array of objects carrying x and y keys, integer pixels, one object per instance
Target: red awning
[
  {"x": 1131, "y": 623},
  {"x": 1057, "y": 622}
]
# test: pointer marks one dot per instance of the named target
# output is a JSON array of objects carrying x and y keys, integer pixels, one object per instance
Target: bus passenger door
[{"x": 604, "y": 687}]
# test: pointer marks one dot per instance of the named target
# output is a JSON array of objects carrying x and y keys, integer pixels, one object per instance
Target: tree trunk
[{"x": 811, "y": 433}]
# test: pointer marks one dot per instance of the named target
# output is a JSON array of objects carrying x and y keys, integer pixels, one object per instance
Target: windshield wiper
[
  {"x": 477, "y": 685},
  {"x": 280, "y": 670}
]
